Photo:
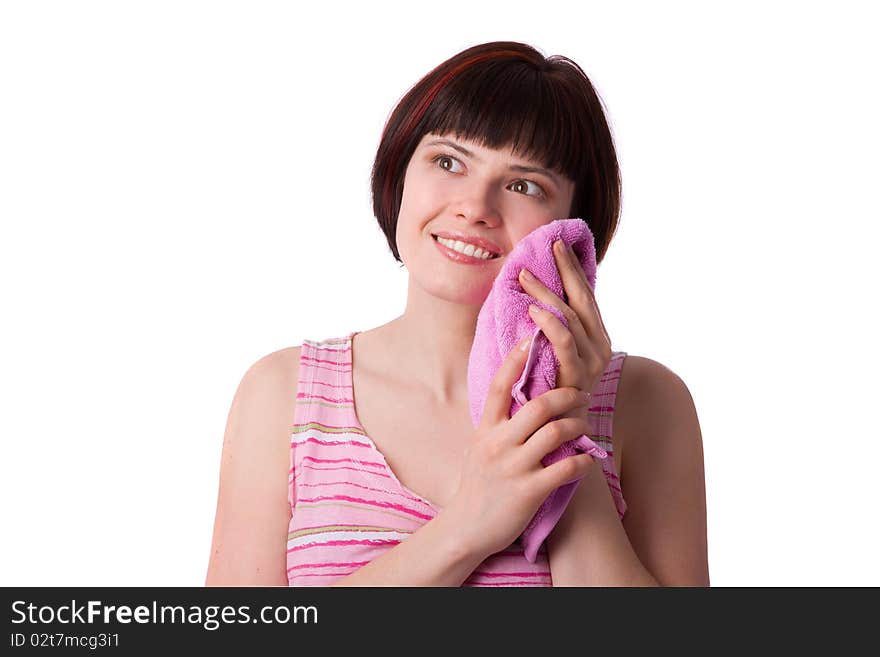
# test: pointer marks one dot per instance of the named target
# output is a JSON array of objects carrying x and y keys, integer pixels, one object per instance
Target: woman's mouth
[{"x": 463, "y": 253}]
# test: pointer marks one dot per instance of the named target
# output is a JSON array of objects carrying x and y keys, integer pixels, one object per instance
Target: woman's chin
[{"x": 460, "y": 293}]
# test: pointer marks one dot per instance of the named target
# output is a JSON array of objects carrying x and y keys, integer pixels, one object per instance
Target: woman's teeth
[{"x": 467, "y": 249}]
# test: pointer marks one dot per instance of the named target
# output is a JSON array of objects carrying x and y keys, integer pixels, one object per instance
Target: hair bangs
[{"x": 510, "y": 107}]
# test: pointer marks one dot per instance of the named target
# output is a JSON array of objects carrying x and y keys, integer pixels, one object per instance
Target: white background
[{"x": 175, "y": 178}]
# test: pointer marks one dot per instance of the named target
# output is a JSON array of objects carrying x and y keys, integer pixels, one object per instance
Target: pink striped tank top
[{"x": 348, "y": 507}]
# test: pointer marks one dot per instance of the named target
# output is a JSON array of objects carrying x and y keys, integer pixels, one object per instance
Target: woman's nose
[{"x": 480, "y": 204}]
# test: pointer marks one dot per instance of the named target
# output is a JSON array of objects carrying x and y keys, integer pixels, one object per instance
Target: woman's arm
[
  {"x": 432, "y": 556},
  {"x": 253, "y": 513},
  {"x": 662, "y": 538}
]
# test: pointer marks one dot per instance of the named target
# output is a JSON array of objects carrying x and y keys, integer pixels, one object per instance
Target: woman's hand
[
  {"x": 503, "y": 481},
  {"x": 584, "y": 348}
]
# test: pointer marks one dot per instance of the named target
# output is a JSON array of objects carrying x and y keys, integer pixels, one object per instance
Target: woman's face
[{"x": 461, "y": 188}]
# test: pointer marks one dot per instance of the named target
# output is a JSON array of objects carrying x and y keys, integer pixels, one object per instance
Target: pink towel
[{"x": 503, "y": 322}]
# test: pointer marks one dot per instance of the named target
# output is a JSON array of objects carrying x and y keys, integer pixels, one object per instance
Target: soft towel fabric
[{"x": 503, "y": 322}]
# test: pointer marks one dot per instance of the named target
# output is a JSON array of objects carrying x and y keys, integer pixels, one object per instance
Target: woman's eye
[
  {"x": 524, "y": 183},
  {"x": 445, "y": 158}
]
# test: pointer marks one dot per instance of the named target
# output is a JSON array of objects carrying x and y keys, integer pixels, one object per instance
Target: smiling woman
[
  {"x": 349, "y": 471},
  {"x": 506, "y": 94}
]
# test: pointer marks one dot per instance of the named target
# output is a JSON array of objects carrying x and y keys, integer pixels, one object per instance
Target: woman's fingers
[
  {"x": 536, "y": 412},
  {"x": 539, "y": 411},
  {"x": 551, "y": 436},
  {"x": 497, "y": 407},
  {"x": 562, "y": 472},
  {"x": 570, "y": 344}
]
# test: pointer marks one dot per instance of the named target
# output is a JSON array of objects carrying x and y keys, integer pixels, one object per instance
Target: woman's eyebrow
[{"x": 513, "y": 167}]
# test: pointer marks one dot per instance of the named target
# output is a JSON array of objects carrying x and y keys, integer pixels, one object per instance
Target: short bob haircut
[{"x": 504, "y": 94}]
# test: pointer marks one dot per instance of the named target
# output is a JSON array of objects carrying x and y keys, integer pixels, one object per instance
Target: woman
[{"x": 399, "y": 488}]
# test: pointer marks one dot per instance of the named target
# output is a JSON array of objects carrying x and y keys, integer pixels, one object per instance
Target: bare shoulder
[
  {"x": 643, "y": 376},
  {"x": 263, "y": 407},
  {"x": 266, "y": 396},
  {"x": 647, "y": 392},
  {"x": 278, "y": 367},
  {"x": 253, "y": 511},
  {"x": 662, "y": 471}
]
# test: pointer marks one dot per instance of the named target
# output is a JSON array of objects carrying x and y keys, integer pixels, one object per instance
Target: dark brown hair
[{"x": 504, "y": 94}]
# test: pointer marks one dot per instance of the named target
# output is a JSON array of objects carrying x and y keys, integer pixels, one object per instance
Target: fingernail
[
  {"x": 559, "y": 245},
  {"x": 534, "y": 310},
  {"x": 525, "y": 343},
  {"x": 526, "y": 276}
]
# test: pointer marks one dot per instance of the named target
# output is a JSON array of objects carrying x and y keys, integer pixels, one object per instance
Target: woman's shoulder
[
  {"x": 268, "y": 388},
  {"x": 657, "y": 422},
  {"x": 277, "y": 373},
  {"x": 641, "y": 376},
  {"x": 256, "y": 447},
  {"x": 277, "y": 367},
  {"x": 648, "y": 391}
]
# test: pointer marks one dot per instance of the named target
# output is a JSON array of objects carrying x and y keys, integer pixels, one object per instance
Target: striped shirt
[{"x": 348, "y": 507}]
